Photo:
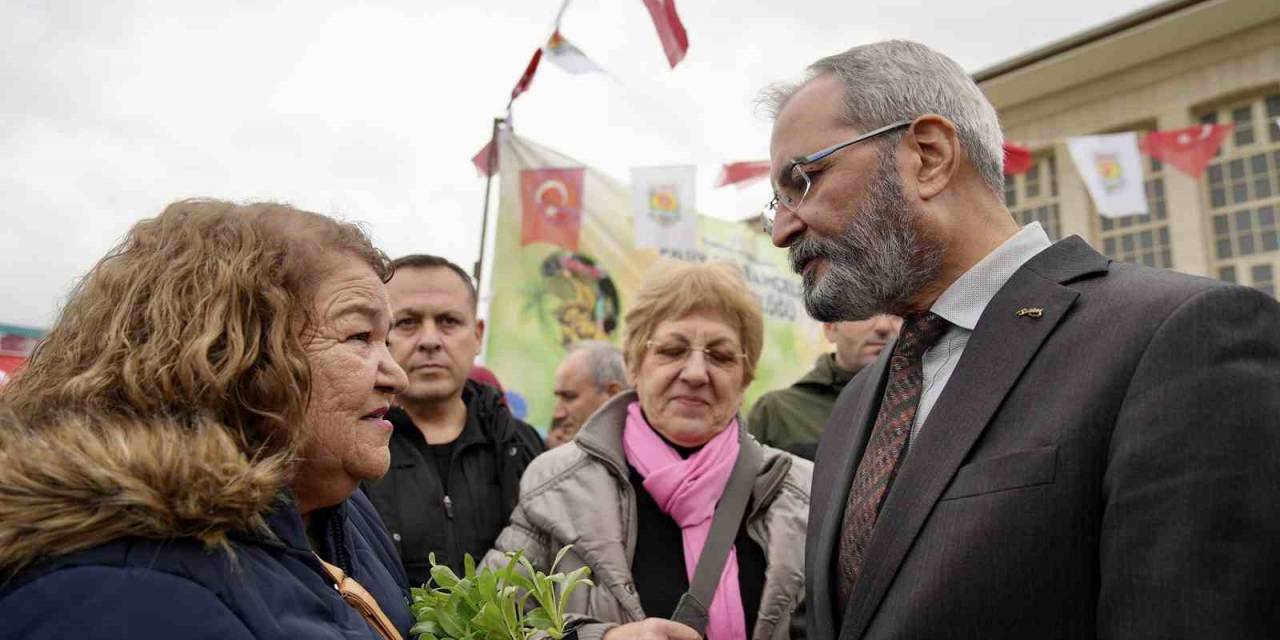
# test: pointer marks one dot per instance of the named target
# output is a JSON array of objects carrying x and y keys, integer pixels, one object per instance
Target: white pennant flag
[
  {"x": 1112, "y": 170},
  {"x": 663, "y": 207},
  {"x": 568, "y": 57}
]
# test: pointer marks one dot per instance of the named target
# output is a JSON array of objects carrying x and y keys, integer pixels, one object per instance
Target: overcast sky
[{"x": 371, "y": 110}]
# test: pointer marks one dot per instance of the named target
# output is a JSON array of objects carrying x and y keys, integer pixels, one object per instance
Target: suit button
[
  {"x": 396, "y": 537},
  {"x": 630, "y": 588}
]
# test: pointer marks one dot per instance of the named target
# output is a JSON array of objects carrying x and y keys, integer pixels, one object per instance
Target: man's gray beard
[{"x": 880, "y": 261}]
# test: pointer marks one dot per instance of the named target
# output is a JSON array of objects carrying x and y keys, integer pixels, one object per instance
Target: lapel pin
[{"x": 1031, "y": 312}]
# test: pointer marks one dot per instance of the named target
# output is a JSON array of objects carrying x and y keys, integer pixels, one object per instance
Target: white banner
[
  {"x": 663, "y": 208},
  {"x": 1112, "y": 170}
]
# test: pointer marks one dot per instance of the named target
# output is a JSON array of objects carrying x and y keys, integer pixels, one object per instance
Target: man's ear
[
  {"x": 937, "y": 145},
  {"x": 829, "y": 330},
  {"x": 479, "y": 336},
  {"x": 613, "y": 389}
]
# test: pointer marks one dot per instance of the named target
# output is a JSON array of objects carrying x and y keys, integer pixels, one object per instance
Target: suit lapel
[
  {"x": 1002, "y": 345},
  {"x": 839, "y": 450}
]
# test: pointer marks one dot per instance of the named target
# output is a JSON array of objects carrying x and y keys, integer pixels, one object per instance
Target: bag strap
[
  {"x": 692, "y": 610},
  {"x": 356, "y": 597}
]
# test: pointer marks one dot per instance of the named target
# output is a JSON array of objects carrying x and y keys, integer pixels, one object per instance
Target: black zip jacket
[{"x": 488, "y": 459}]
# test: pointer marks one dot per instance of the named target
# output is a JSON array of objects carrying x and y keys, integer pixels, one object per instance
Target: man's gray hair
[
  {"x": 604, "y": 361},
  {"x": 894, "y": 80}
]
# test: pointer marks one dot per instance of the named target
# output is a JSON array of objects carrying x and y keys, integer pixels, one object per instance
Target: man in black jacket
[{"x": 457, "y": 453}]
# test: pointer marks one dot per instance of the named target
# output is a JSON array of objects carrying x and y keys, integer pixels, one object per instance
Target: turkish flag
[
  {"x": 1017, "y": 159},
  {"x": 675, "y": 42},
  {"x": 1190, "y": 149},
  {"x": 742, "y": 172},
  {"x": 551, "y": 206}
]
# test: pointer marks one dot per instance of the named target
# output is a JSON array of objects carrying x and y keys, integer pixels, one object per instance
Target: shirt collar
[{"x": 964, "y": 301}]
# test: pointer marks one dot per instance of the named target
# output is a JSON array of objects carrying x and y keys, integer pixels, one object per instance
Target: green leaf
[
  {"x": 451, "y": 626},
  {"x": 572, "y": 581},
  {"x": 539, "y": 619},
  {"x": 520, "y": 580},
  {"x": 443, "y": 575},
  {"x": 425, "y": 626},
  {"x": 560, "y": 555}
]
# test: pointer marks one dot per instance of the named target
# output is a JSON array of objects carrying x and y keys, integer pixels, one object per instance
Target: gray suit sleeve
[{"x": 1187, "y": 544}]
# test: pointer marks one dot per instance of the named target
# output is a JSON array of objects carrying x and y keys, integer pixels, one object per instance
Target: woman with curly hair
[{"x": 181, "y": 456}]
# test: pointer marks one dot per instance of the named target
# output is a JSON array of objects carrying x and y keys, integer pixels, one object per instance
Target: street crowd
[{"x": 249, "y": 422}]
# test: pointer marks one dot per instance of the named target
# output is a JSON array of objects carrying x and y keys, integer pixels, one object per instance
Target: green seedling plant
[{"x": 516, "y": 602}]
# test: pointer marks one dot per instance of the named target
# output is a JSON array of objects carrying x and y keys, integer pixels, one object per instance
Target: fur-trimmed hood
[{"x": 83, "y": 481}]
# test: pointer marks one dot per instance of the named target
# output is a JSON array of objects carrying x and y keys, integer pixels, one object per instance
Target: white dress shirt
[{"x": 962, "y": 305}]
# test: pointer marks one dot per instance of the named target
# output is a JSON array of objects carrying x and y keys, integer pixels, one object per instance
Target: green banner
[{"x": 544, "y": 296}]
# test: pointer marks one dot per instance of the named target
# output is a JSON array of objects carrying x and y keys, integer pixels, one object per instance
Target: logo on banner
[
  {"x": 1109, "y": 170},
  {"x": 664, "y": 204},
  {"x": 551, "y": 206},
  {"x": 587, "y": 306}
]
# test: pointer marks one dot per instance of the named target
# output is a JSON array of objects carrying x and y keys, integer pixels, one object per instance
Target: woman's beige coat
[{"x": 580, "y": 494}]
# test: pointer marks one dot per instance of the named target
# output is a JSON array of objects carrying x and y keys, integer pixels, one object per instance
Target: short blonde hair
[
  {"x": 195, "y": 315},
  {"x": 673, "y": 289}
]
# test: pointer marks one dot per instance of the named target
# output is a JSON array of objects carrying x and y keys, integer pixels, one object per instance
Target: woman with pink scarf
[{"x": 636, "y": 491}]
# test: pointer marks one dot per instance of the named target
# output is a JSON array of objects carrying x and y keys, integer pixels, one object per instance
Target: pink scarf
[{"x": 688, "y": 490}]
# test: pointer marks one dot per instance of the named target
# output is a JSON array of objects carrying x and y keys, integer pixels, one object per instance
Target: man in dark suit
[{"x": 1058, "y": 445}]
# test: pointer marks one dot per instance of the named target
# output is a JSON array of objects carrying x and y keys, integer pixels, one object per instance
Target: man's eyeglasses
[
  {"x": 793, "y": 183},
  {"x": 720, "y": 356}
]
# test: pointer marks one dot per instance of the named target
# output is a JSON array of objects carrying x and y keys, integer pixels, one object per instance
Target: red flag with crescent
[
  {"x": 551, "y": 206},
  {"x": 1190, "y": 149}
]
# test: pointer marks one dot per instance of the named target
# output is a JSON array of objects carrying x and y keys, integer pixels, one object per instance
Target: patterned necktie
[{"x": 886, "y": 447}]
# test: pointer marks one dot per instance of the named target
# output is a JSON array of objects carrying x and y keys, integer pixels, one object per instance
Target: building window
[
  {"x": 1142, "y": 239},
  {"x": 1242, "y": 193},
  {"x": 1262, "y": 279},
  {"x": 1033, "y": 196}
]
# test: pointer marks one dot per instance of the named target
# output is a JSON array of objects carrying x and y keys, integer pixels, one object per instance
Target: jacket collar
[
  {"x": 167, "y": 479},
  {"x": 601, "y": 436},
  {"x": 1069, "y": 260},
  {"x": 963, "y": 302},
  {"x": 826, "y": 374},
  {"x": 485, "y": 422}
]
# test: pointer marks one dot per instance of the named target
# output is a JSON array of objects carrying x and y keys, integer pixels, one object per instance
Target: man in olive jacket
[{"x": 792, "y": 418}]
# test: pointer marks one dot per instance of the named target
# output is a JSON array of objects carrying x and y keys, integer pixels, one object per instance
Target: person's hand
[{"x": 652, "y": 629}]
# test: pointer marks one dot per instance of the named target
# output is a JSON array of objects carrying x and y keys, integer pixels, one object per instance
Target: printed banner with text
[{"x": 573, "y": 280}]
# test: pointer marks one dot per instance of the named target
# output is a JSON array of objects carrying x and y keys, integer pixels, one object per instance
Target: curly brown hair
[{"x": 195, "y": 316}]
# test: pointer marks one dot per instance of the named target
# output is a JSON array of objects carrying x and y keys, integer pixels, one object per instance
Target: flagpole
[{"x": 492, "y": 162}]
